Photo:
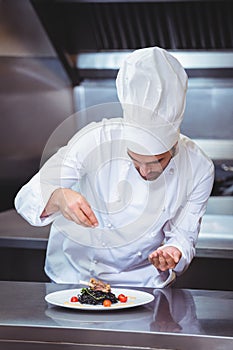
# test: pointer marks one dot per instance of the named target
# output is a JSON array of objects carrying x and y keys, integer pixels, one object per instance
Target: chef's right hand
[{"x": 72, "y": 205}]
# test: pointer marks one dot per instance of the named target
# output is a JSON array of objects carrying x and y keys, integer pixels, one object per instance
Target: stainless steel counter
[
  {"x": 176, "y": 319},
  {"x": 15, "y": 232}
]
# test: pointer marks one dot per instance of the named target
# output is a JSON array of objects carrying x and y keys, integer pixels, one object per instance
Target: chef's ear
[{"x": 173, "y": 150}]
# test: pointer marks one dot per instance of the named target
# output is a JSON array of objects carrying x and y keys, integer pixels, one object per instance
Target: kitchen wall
[{"x": 35, "y": 95}]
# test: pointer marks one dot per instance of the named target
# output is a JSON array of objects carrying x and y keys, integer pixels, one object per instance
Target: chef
[{"x": 126, "y": 195}]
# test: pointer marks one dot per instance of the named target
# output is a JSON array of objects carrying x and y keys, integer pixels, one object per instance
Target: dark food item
[{"x": 95, "y": 297}]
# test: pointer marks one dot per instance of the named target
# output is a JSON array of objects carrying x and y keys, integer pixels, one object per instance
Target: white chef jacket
[{"x": 135, "y": 216}]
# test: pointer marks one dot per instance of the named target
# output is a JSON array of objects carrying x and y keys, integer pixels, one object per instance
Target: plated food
[
  {"x": 98, "y": 293},
  {"x": 96, "y": 297}
]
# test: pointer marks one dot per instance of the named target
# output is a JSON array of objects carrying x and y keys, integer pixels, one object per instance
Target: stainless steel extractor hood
[{"x": 76, "y": 27}]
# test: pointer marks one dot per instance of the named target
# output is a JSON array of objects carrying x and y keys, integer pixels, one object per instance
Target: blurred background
[{"x": 58, "y": 57}]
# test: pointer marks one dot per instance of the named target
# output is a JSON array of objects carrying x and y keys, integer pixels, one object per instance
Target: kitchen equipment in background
[
  {"x": 223, "y": 184},
  {"x": 110, "y": 26}
]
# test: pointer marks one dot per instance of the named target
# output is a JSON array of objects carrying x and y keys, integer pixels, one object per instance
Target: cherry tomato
[
  {"x": 74, "y": 299},
  {"x": 107, "y": 303},
  {"x": 122, "y": 298}
]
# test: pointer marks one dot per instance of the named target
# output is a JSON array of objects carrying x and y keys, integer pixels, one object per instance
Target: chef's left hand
[{"x": 165, "y": 258}]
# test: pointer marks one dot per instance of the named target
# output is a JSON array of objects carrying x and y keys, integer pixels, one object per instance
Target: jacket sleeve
[
  {"x": 183, "y": 229},
  {"x": 60, "y": 171}
]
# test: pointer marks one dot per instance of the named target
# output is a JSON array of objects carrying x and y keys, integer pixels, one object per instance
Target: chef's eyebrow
[{"x": 153, "y": 162}]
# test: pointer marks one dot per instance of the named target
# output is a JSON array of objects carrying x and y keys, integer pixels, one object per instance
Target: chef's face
[{"x": 151, "y": 167}]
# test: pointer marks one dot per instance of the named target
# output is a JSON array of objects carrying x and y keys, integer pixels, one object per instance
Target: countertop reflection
[{"x": 193, "y": 313}]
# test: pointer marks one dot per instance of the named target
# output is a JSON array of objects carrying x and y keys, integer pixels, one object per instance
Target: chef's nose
[{"x": 144, "y": 170}]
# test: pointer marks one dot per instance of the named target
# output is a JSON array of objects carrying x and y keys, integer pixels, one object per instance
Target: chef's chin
[{"x": 151, "y": 176}]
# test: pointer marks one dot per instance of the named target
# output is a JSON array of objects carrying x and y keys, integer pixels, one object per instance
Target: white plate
[{"x": 135, "y": 298}]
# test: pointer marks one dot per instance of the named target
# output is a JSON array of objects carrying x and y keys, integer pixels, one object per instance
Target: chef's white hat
[{"x": 151, "y": 87}]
